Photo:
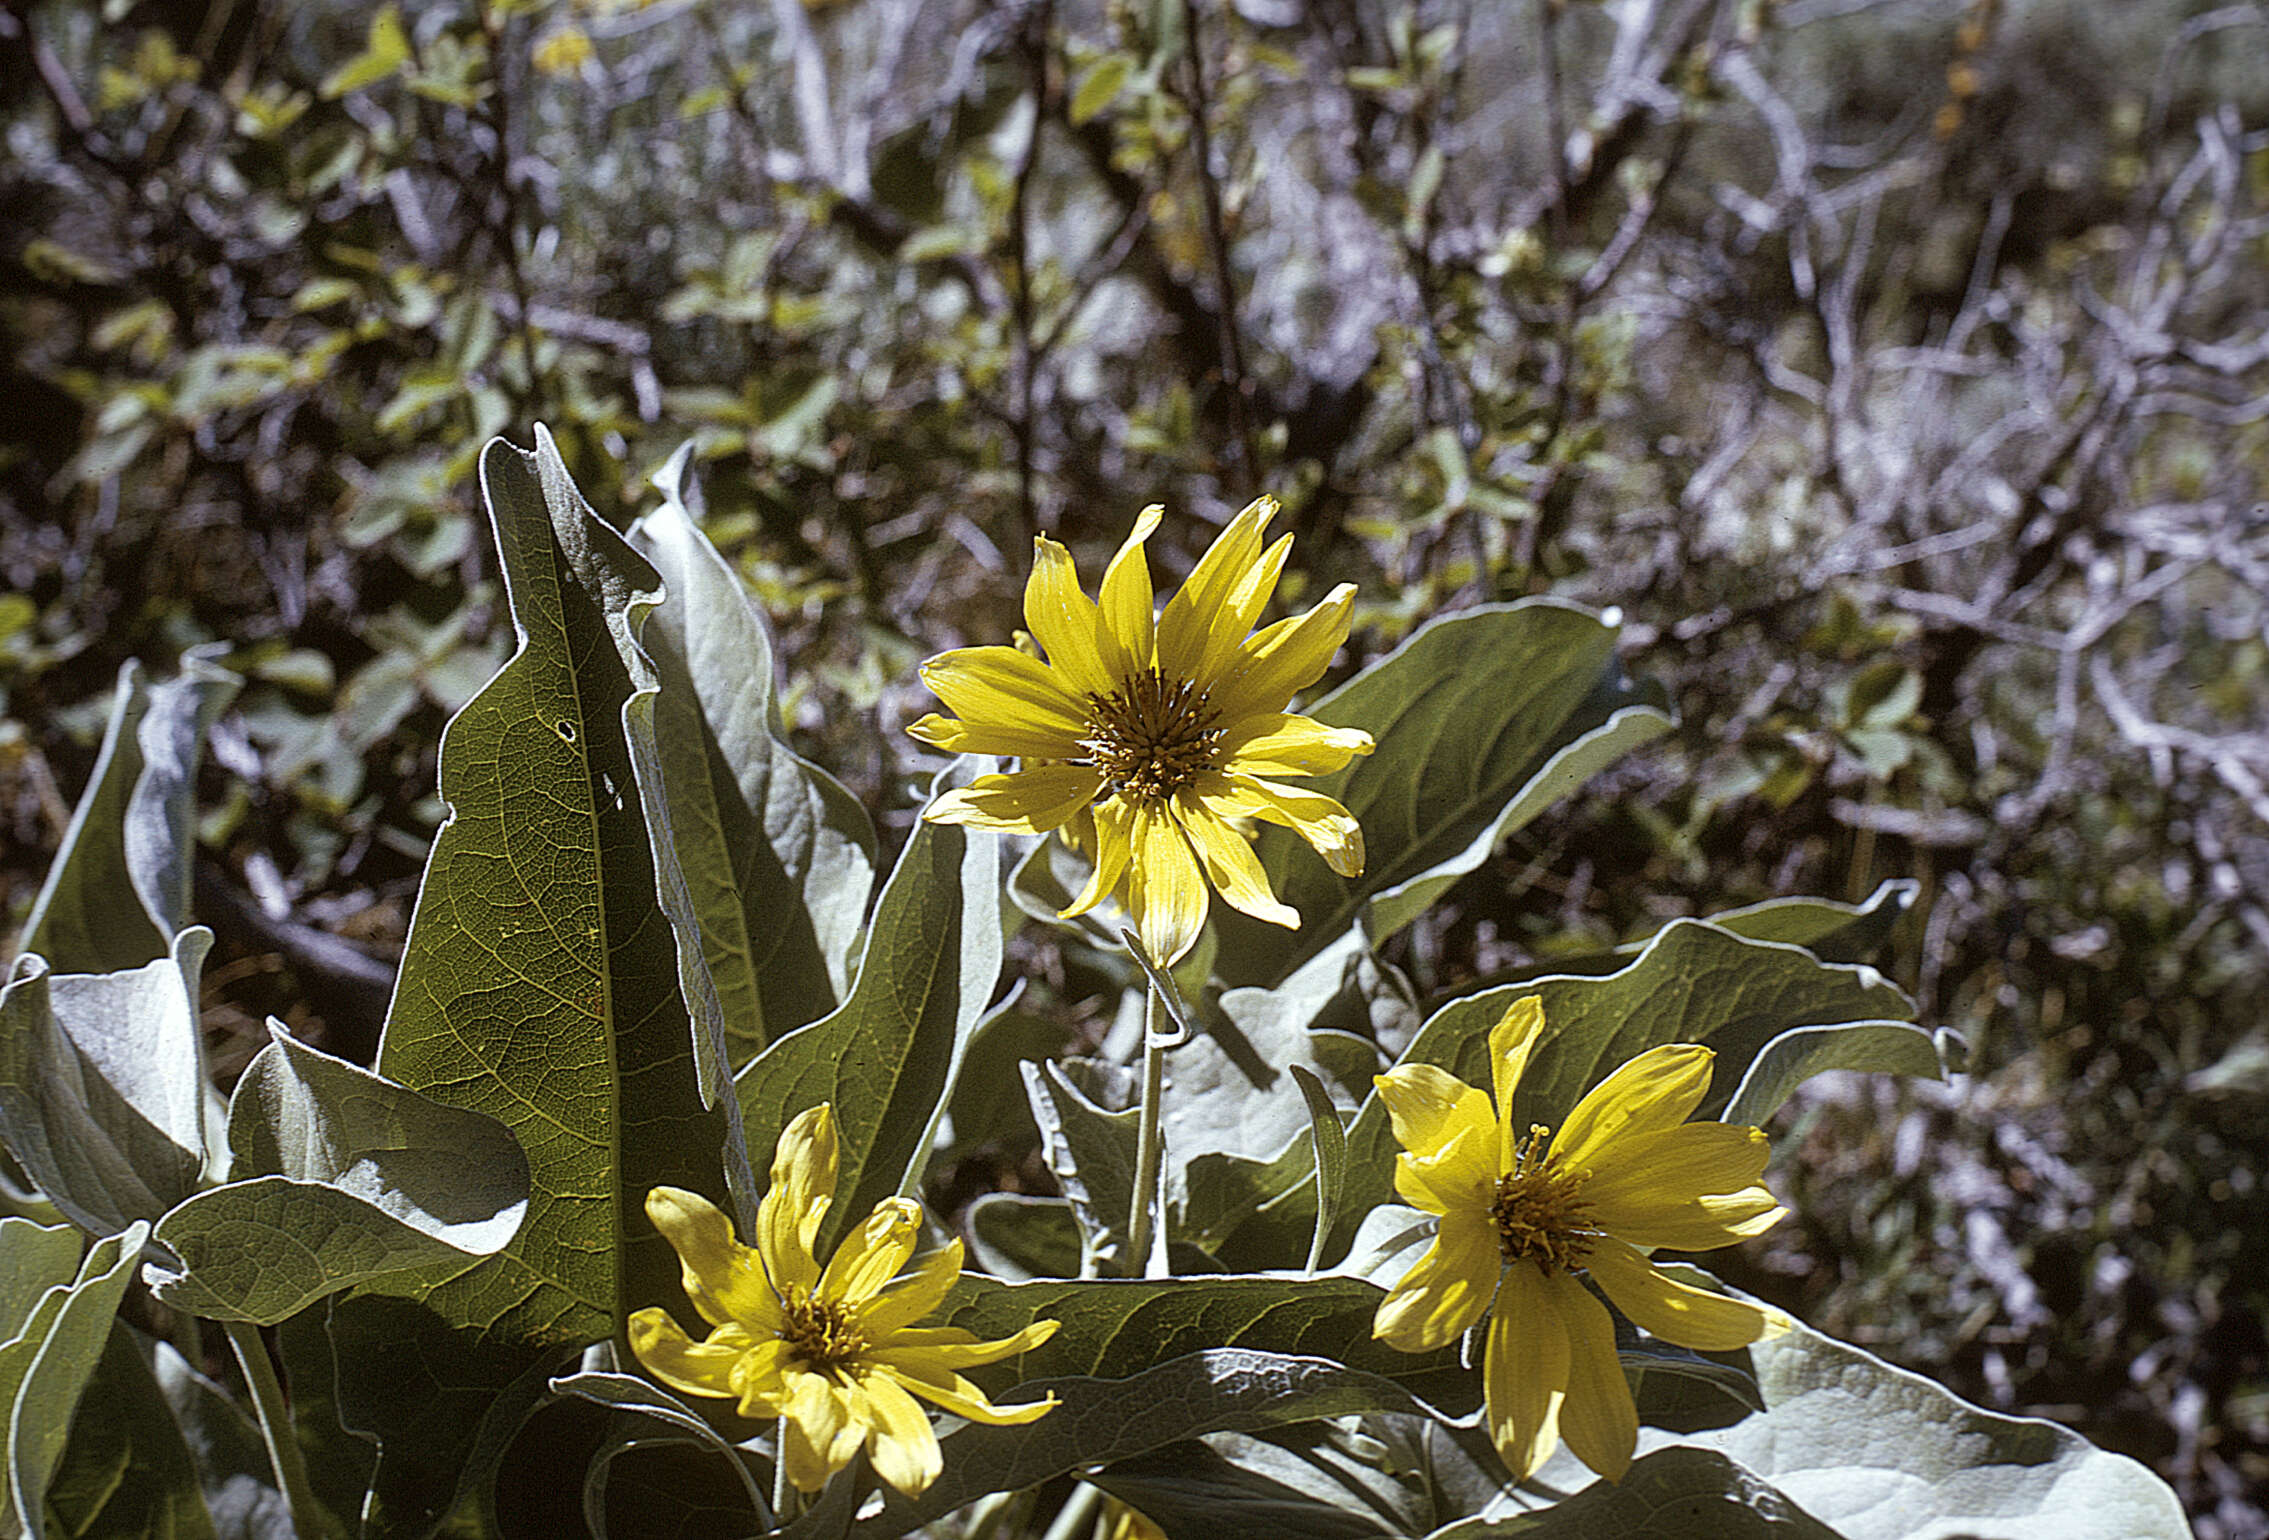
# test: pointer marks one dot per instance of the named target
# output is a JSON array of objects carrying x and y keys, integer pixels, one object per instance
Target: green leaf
[
  {"x": 545, "y": 983},
  {"x": 126, "y": 1473},
  {"x": 1694, "y": 983},
  {"x": 225, "y": 1446},
  {"x": 385, "y": 51},
  {"x": 1110, "y": 1328},
  {"x": 779, "y": 857},
  {"x": 1099, "y": 86},
  {"x": 118, "y": 890},
  {"x": 1098, "y": 1421},
  {"x": 1331, "y": 1157},
  {"x": 341, "y": 1177},
  {"x": 103, "y": 1097},
  {"x": 33, "y": 1259},
  {"x": 1092, "y": 1152},
  {"x": 887, "y": 1058},
  {"x": 1671, "y": 1494},
  {"x": 1882, "y": 1453},
  {"x": 639, "y": 1399},
  {"x": 1830, "y": 930},
  {"x": 47, "y": 1364},
  {"x": 1482, "y": 719},
  {"x": 1013, "y": 1235}
]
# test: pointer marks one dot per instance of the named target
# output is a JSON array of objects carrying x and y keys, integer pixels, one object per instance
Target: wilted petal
[
  {"x": 1511, "y": 1041},
  {"x": 950, "y": 1347},
  {"x": 1446, "y": 1291},
  {"x": 724, "y": 1279},
  {"x": 900, "y": 1440},
  {"x": 872, "y": 1254},
  {"x": 1323, "y": 823},
  {"x": 697, "y": 1368},
  {"x": 803, "y": 1186},
  {"x": 915, "y": 1295},
  {"x": 1428, "y": 1107},
  {"x": 1655, "y": 1090},
  {"x": 1113, "y": 823},
  {"x": 820, "y": 1433},
  {"x": 964, "y": 1399},
  {"x": 1677, "y": 1313}
]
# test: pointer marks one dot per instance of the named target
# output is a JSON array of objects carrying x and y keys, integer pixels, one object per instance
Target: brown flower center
[
  {"x": 1539, "y": 1210},
  {"x": 823, "y": 1335},
  {"x": 1152, "y": 736}
]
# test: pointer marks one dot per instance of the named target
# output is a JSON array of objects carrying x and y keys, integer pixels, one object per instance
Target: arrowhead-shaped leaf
[
  {"x": 340, "y": 1177},
  {"x": 126, "y": 1472},
  {"x": 46, "y": 1365},
  {"x": 118, "y": 891},
  {"x": 779, "y": 858},
  {"x": 553, "y": 980},
  {"x": 1482, "y": 719},
  {"x": 888, "y": 1056},
  {"x": 102, "y": 1085}
]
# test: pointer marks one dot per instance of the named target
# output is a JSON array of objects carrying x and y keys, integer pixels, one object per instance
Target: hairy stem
[{"x": 309, "y": 1517}]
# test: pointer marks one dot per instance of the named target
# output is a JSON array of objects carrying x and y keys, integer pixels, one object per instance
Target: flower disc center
[
  {"x": 823, "y": 1335},
  {"x": 1539, "y": 1211},
  {"x": 1152, "y": 736}
]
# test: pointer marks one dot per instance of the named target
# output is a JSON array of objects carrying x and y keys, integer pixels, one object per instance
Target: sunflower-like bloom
[
  {"x": 834, "y": 1353},
  {"x": 1523, "y": 1214},
  {"x": 1144, "y": 738}
]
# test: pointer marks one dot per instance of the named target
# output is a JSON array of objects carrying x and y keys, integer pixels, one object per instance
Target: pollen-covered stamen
[
  {"x": 1539, "y": 1211},
  {"x": 1152, "y": 736},
  {"x": 823, "y": 1335}
]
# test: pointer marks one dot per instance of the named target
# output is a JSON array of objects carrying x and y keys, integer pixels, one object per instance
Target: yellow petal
[
  {"x": 1129, "y": 646},
  {"x": 725, "y": 1280},
  {"x": 760, "y": 1379},
  {"x": 667, "y": 1353},
  {"x": 900, "y": 1441},
  {"x": 940, "y": 1348},
  {"x": 915, "y": 1295},
  {"x": 1201, "y": 628},
  {"x": 1691, "y": 1188},
  {"x": 1034, "y": 801},
  {"x": 1510, "y": 1042},
  {"x": 1165, "y": 890},
  {"x": 1599, "y": 1419},
  {"x": 1655, "y": 1090},
  {"x": 1524, "y": 1376},
  {"x": 1678, "y": 1313},
  {"x": 957, "y": 737},
  {"x": 1230, "y": 864},
  {"x": 820, "y": 1434},
  {"x": 1446, "y": 1291},
  {"x": 1002, "y": 687},
  {"x": 1323, "y": 823},
  {"x": 872, "y": 1254},
  {"x": 1285, "y": 658},
  {"x": 1113, "y": 824},
  {"x": 1429, "y": 1107},
  {"x": 803, "y": 1185},
  {"x": 1065, "y": 621},
  {"x": 1275, "y": 743},
  {"x": 963, "y": 1399}
]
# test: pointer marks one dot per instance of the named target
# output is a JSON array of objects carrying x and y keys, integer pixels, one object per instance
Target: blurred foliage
[{"x": 1918, "y": 434}]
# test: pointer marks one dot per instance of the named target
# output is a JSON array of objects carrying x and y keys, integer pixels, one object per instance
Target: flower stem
[
  {"x": 1149, "y": 1137},
  {"x": 784, "y": 1503},
  {"x": 309, "y": 1517}
]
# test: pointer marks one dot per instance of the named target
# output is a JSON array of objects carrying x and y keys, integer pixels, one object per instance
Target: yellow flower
[
  {"x": 1523, "y": 1215},
  {"x": 1121, "y": 1522},
  {"x": 1145, "y": 738},
  {"x": 832, "y": 1354}
]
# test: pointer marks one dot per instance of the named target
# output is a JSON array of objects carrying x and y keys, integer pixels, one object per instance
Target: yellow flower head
[
  {"x": 1522, "y": 1214},
  {"x": 1144, "y": 736},
  {"x": 831, "y": 1353}
]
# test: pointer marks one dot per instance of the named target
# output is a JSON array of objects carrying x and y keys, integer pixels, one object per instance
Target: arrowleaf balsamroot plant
[{"x": 551, "y": 1150}]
